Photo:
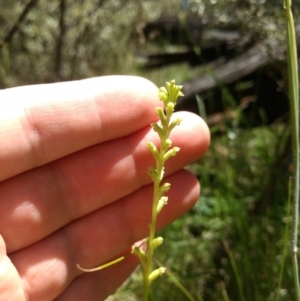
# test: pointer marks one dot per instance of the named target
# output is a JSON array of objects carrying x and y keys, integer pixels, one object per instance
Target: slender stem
[
  {"x": 101, "y": 267},
  {"x": 147, "y": 269},
  {"x": 294, "y": 106},
  {"x": 178, "y": 284},
  {"x": 156, "y": 186},
  {"x": 285, "y": 242},
  {"x": 235, "y": 271}
]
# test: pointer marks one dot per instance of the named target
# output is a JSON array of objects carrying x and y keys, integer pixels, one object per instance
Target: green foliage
[
  {"x": 231, "y": 245},
  {"x": 101, "y": 36}
]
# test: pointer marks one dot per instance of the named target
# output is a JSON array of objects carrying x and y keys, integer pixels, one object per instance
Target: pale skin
[{"x": 74, "y": 186}]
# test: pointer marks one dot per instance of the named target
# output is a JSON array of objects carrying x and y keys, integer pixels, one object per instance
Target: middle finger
[{"x": 40, "y": 201}]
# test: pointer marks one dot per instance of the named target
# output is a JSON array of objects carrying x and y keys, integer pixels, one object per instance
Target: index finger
[{"x": 41, "y": 123}]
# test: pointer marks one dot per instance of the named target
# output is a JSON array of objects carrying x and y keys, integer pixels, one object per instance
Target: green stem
[
  {"x": 178, "y": 284},
  {"x": 156, "y": 186},
  {"x": 235, "y": 271},
  {"x": 285, "y": 243},
  {"x": 294, "y": 107},
  {"x": 147, "y": 269}
]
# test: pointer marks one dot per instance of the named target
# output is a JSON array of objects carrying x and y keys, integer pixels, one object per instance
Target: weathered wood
[
  {"x": 236, "y": 68},
  {"x": 251, "y": 60}
]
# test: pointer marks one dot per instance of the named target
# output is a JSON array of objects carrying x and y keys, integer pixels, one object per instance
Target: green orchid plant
[{"x": 168, "y": 95}]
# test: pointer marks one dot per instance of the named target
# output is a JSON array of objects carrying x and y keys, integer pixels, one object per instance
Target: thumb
[{"x": 11, "y": 286}]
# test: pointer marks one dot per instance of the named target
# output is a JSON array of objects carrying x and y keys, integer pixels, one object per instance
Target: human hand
[{"x": 74, "y": 186}]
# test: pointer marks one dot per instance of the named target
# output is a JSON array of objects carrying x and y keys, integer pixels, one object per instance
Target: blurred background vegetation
[{"x": 234, "y": 244}]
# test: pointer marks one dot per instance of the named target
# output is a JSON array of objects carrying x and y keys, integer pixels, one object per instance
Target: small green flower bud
[
  {"x": 162, "y": 93},
  {"x": 165, "y": 187},
  {"x": 174, "y": 91},
  {"x": 170, "y": 85},
  {"x": 152, "y": 148},
  {"x": 163, "y": 90},
  {"x": 160, "y": 113},
  {"x": 170, "y": 107},
  {"x": 156, "y": 273},
  {"x": 156, "y": 242},
  {"x": 171, "y": 152},
  {"x": 157, "y": 129},
  {"x": 167, "y": 143},
  {"x": 174, "y": 123},
  {"x": 161, "y": 203}
]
